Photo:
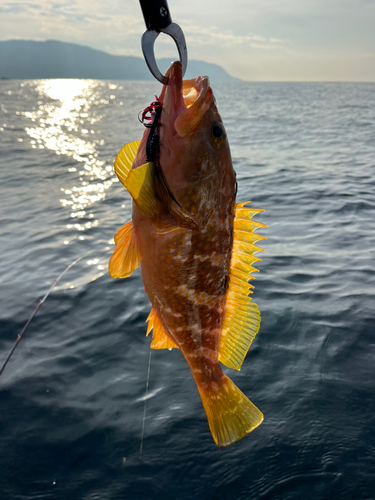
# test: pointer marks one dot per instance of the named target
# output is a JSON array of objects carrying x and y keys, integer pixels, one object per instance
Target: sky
[{"x": 262, "y": 40}]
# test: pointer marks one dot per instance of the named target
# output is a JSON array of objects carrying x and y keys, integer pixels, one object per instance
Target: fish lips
[{"x": 185, "y": 102}]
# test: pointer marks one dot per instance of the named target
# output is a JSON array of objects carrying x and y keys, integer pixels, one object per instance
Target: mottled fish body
[{"x": 196, "y": 249}]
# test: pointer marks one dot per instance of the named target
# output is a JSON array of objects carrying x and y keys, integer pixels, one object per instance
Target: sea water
[{"x": 73, "y": 394}]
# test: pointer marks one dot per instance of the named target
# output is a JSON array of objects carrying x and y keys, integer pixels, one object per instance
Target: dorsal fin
[
  {"x": 241, "y": 317},
  {"x": 124, "y": 160},
  {"x": 160, "y": 339},
  {"x": 125, "y": 257}
]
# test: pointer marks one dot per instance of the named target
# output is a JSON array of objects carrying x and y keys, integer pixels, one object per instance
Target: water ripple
[{"x": 73, "y": 393}]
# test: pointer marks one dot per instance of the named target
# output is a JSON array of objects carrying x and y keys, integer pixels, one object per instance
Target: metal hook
[{"x": 158, "y": 20}]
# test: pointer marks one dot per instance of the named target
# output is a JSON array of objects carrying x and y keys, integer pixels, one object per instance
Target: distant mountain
[{"x": 25, "y": 59}]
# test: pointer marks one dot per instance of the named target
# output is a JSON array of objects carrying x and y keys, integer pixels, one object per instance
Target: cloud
[
  {"x": 12, "y": 7},
  {"x": 214, "y": 36},
  {"x": 272, "y": 39},
  {"x": 75, "y": 21}
]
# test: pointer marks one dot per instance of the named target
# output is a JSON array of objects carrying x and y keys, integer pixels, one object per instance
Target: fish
[{"x": 195, "y": 246}]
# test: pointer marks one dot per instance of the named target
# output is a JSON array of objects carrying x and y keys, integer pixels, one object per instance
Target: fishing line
[
  {"x": 144, "y": 408},
  {"x": 39, "y": 305}
]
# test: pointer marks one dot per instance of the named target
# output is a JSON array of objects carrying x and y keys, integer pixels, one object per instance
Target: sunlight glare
[{"x": 64, "y": 124}]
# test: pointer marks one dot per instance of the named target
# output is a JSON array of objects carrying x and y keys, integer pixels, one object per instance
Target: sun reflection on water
[{"x": 65, "y": 123}]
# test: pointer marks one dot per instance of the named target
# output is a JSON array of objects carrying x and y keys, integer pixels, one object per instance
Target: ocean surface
[{"x": 72, "y": 396}]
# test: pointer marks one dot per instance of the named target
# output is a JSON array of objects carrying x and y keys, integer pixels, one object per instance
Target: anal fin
[
  {"x": 125, "y": 257},
  {"x": 160, "y": 339}
]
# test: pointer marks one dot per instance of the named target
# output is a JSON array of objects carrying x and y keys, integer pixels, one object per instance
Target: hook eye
[{"x": 148, "y": 41}]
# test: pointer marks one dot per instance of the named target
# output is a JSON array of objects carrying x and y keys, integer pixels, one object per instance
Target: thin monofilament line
[
  {"x": 39, "y": 305},
  {"x": 144, "y": 408}
]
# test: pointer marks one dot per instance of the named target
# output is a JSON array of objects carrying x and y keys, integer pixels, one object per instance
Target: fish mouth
[{"x": 184, "y": 102}]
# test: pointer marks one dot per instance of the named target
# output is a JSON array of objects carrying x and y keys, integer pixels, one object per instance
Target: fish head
[{"x": 195, "y": 157}]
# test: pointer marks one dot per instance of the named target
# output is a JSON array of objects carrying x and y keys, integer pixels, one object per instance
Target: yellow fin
[
  {"x": 140, "y": 183},
  {"x": 241, "y": 317},
  {"x": 230, "y": 414},
  {"x": 147, "y": 187},
  {"x": 160, "y": 339},
  {"x": 125, "y": 257},
  {"x": 124, "y": 160}
]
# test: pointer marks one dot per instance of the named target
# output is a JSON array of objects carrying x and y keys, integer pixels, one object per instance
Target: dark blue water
[{"x": 72, "y": 395}]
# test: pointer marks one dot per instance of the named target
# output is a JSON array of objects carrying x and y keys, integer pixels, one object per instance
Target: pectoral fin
[
  {"x": 148, "y": 189},
  {"x": 140, "y": 183},
  {"x": 124, "y": 160},
  {"x": 125, "y": 257},
  {"x": 241, "y": 317}
]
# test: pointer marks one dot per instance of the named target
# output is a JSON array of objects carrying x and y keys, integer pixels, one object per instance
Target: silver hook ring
[{"x": 148, "y": 41}]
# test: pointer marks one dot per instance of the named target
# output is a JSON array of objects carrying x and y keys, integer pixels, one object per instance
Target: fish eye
[{"x": 218, "y": 133}]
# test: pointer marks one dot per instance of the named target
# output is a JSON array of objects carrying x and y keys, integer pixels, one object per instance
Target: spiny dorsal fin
[
  {"x": 160, "y": 339},
  {"x": 241, "y": 317},
  {"x": 125, "y": 257},
  {"x": 124, "y": 160}
]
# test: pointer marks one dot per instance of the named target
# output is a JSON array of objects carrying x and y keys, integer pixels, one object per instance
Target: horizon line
[{"x": 6, "y": 79}]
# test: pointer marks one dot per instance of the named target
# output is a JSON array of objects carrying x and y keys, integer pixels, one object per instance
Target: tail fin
[{"x": 229, "y": 413}]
